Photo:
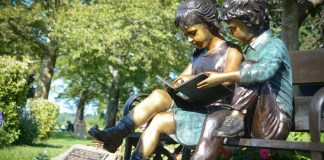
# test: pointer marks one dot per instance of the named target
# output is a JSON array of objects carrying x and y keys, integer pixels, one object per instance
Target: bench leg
[
  {"x": 128, "y": 149},
  {"x": 186, "y": 153}
]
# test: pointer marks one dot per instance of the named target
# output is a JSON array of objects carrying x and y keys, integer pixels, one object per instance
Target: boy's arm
[
  {"x": 265, "y": 68},
  {"x": 233, "y": 61},
  {"x": 219, "y": 78}
]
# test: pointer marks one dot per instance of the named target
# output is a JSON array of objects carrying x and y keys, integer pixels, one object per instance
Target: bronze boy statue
[
  {"x": 169, "y": 113},
  {"x": 263, "y": 91}
]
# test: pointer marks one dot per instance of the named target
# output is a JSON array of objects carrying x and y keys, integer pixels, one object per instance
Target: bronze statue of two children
[{"x": 261, "y": 106}]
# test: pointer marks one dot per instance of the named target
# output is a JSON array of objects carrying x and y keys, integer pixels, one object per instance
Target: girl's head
[{"x": 192, "y": 12}]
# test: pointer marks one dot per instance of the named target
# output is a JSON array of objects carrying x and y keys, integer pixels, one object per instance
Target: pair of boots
[{"x": 113, "y": 137}]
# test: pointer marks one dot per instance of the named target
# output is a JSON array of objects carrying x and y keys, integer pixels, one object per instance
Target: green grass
[{"x": 56, "y": 145}]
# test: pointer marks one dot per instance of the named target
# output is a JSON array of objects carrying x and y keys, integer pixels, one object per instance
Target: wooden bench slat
[
  {"x": 303, "y": 66},
  {"x": 275, "y": 144}
]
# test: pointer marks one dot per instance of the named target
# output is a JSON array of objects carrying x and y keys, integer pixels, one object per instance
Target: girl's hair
[
  {"x": 253, "y": 13},
  {"x": 192, "y": 12}
]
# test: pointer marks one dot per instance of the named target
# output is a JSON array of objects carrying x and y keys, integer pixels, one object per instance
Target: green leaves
[{"x": 135, "y": 38}]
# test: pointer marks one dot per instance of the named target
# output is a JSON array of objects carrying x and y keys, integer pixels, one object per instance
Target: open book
[{"x": 189, "y": 88}]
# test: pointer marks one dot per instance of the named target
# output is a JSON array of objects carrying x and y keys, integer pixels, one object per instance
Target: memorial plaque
[{"x": 82, "y": 152}]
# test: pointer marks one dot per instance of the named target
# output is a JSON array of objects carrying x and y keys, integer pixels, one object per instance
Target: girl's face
[
  {"x": 199, "y": 36},
  {"x": 239, "y": 30}
]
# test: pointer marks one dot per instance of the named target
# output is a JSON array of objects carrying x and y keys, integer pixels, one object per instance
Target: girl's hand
[
  {"x": 181, "y": 79},
  {"x": 166, "y": 87}
]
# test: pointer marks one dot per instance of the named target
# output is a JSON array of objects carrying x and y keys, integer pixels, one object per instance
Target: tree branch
[
  {"x": 24, "y": 36},
  {"x": 306, "y": 7},
  {"x": 100, "y": 82}
]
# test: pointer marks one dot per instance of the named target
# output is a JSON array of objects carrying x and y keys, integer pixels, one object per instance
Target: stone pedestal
[{"x": 80, "y": 129}]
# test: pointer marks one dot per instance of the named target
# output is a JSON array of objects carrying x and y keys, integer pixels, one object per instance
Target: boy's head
[{"x": 253, "y": 13}]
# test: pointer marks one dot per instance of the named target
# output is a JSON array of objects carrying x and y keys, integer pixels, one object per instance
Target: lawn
[{"x": 57, "y": 144}]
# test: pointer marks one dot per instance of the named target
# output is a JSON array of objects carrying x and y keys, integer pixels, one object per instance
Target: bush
[
  {"x": 28, "y": 130},
  {"x": 44, "y": 113},
  {"x": 13, "y": 91}
]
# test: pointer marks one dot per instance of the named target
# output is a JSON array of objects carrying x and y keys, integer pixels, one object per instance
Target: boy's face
[
  {"x": 198, "y": 35},
  {"x": 240, "y": 31}
]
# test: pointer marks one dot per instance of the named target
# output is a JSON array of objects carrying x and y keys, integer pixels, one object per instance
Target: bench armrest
[
  {"x": 134, "y": 98},
  {"x": 315, "y": 114}
]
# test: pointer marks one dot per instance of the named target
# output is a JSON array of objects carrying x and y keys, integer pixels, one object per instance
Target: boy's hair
[
  {"x": 192, "y": 12},
  {"x": 253, "y": 13}
]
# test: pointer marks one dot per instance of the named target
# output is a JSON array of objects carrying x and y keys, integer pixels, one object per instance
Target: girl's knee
[
  {"x": 161, "y": 99},
  {"x": 159, "y": 93},
  {"x": 162, "y": 122}
]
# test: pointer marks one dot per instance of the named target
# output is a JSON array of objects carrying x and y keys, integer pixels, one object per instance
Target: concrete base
[{"x": 80, "y": 129}]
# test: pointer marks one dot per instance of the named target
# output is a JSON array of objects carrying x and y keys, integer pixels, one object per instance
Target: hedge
[{"x": 13, "y": 91}]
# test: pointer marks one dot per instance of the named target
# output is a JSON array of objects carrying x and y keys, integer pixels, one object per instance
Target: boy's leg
[
  {"x": 244, "y": 98},
  {"x": 162, "y": 123},
  {"x": 269, "y": 120},
  {"x": 208, "y": 145}
]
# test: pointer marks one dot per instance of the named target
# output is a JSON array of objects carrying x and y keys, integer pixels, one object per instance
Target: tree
[
  {"x": 119, "y": 47},
  {"x": 293, "y": 16},
  {"x": 30, "y": 24}
]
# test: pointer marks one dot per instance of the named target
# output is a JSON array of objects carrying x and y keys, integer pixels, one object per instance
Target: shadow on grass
[
  {"x": 46, "y": 145},
  {"x": 56, "y": 134}
]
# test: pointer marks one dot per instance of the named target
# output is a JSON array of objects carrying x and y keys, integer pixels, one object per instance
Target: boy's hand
[{"x": 214, "y": 79}]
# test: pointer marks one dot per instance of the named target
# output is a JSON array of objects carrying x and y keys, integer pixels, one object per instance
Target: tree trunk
[
  {"x": 293, "y": 15},
  {"x": 290, "y": 26},
  {"x": 46, "y": 74},
  {"x": 80, "y": 110},
  {"x": 112, "y": 108}
]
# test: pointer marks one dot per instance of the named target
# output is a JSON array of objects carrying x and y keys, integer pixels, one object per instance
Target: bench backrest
[{"x": 308, "y": 69}]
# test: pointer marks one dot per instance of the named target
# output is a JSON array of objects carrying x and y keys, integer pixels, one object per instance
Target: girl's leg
[
  {"x": 162, "y": 123},
  {"x": 156, "y": 102}
]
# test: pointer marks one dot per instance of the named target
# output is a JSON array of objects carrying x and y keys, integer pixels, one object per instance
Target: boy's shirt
[{"x": 272, "y": 65}]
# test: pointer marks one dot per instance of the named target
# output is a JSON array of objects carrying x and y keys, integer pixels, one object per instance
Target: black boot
[
  {"x": 138, "y": 156},
  {"x": 113, "y": 137}
]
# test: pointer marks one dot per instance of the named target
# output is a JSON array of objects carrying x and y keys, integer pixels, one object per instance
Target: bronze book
[{"x": 189, "y": 89}]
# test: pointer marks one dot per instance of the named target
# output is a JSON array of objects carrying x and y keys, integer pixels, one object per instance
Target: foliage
[
  {"x": 118, "y": 43},
  {"x": 311, "y": 32},
  {"x": 28, "y": 130},
  {"x": 238, "y": 153},
  {"x": 13, "y": 92},
  {"x": 42, "y": 156},
  {"x": 45, "y": 114}
]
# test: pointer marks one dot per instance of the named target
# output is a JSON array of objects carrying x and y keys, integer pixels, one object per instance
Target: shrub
[
  {"x": 13, "y": 91},
  {"x": 44, "y": 113},
  {"x": 42, "y": 156},
  {"x": 28, "y": 129}
]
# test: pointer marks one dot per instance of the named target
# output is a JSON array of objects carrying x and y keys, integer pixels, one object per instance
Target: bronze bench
[{"x": 308, "y": 69}]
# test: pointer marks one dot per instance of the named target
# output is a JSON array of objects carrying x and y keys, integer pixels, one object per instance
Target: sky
[{"x": 66, "y": 106}]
